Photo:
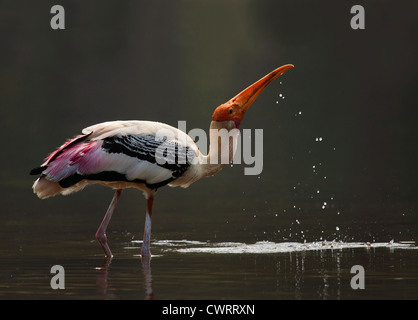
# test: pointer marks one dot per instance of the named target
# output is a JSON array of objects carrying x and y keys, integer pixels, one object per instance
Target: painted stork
[{"x": 125, "y": 154}]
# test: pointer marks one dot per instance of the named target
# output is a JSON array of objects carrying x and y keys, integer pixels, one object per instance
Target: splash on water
[{"x": 264, "y": 247}]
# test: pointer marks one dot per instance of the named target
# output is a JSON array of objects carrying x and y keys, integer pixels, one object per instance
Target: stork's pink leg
[
  {"x": 145, "y": 251},
  {"x": 101, "y": 232}
]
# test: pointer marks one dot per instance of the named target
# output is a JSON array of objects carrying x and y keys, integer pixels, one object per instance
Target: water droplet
[
  {"x": 336, "y": 228},
  {"x": 280, "y": 95}
]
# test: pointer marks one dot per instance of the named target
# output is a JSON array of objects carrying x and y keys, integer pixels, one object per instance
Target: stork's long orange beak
[
  {"x": 235, "y": 108},
  {"x": 245, "y": 98}
]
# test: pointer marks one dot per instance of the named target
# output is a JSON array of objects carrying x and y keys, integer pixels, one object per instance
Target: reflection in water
[
  {"x": 102, "y": 282},
  {"x": 299, "y": 282},
  {"x": 102, "y": 276},
  {"x": 291, "y": 272},
  {"x": 146, "y": 268},
  {"x": 391, "y": 273}
]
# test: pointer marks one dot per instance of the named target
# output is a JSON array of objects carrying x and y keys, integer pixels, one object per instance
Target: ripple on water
[{"x": 263, "y": 247}]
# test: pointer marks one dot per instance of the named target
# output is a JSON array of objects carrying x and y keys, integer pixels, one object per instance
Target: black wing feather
[{"x": 144, "y": 147}]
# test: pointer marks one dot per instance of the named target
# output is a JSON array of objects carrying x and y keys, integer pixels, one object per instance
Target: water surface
[{"x": 195, "y": 269}]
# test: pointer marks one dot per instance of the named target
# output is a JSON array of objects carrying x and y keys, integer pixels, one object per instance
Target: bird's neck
[{"x": 223, "y": 137}]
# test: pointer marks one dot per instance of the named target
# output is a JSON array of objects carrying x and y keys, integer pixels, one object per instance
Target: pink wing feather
[{"x": 81, "y": 157}]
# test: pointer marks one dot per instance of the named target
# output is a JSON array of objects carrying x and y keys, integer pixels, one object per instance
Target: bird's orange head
[{"x": 235, "y": 108}]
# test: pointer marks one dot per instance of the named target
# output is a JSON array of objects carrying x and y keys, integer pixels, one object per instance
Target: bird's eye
[{"x": 230, "y": 111}]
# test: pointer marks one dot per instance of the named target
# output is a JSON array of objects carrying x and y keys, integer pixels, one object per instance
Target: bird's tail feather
[{"x": 45, "y": 188}]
